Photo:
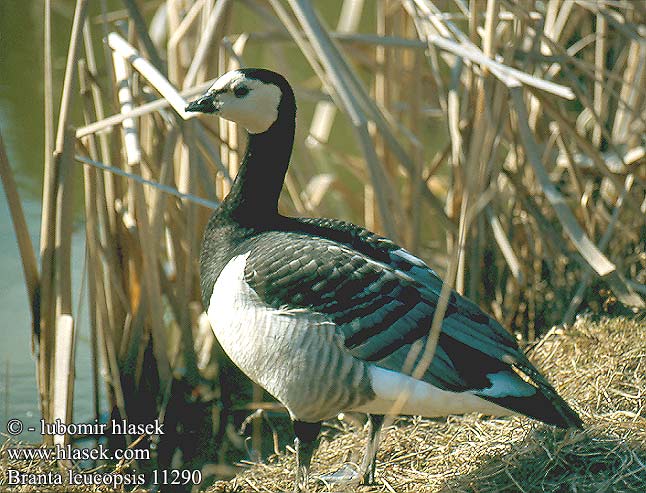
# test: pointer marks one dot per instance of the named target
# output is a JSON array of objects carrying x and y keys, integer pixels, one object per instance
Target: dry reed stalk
[
  {"x": 64, "y": 226},
  {"x": 105, "y": 187},
  {"x": 174, "y": 20},
  {"x": 25, "y": 246},
  {"x": 154, "y": 302},
  {"x": 187, "y": 279},
  {"x": 53, "y": 302},
  {"x": 60, "y": 398},
  {"x": 48, "y": 116},
  {"x": 633, "y": 77},
  {"x": 158, "y": 198},
  {"x": 133, "y": 157},
  {"x": 568, "y": 318},
  {"x": 382, "y": 119},
  {"x": 417, "y": 182},
  {"x": 130, "y": 130},
  {"x": 154, "y": 77},
  {"x": 468, "y": 51},
  {"x": 325, "y": 111},
  {"x": 206, "y": 41},
  {"x": 63, "y": 377},
  {"x": 381, "y": 97},
  {"x": 595, "y": 259},
  {"x": 347, "y": 92},
  {"x": 134, "y": 14},
  {"x": 138, "y": 179},
  {"x": 147, "y": 245},
  {"x": 93, "y": 196},
  {"x": 97, "y": 355},
  {"x": 600, "y": 99},
  {"x": 43, "y": 333},
  {"x": 101, "y": 126},
  {"x": 101, "y": 266}
]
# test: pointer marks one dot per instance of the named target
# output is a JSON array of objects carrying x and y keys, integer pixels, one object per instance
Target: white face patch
[{"x": 249, "y": 102}]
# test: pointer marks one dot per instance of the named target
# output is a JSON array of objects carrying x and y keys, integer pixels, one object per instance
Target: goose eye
[{"x": 241, "y": 91}]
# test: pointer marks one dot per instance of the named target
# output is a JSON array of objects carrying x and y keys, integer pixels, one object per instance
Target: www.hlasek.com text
[{"x": 67, "y": 452}]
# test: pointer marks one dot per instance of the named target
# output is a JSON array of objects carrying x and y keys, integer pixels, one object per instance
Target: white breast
[{"x": 277, "y": 348}]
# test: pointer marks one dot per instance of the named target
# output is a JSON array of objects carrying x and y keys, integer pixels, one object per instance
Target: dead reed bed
[{"x": 501, "y": 141}]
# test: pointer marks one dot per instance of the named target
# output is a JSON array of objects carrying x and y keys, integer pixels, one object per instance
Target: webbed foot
[{"x": 348, "y": 473}]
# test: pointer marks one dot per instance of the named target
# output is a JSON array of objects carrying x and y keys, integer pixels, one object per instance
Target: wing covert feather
[{"x": 380, "y": 309}]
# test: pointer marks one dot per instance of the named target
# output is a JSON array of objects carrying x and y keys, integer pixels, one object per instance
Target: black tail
[{"x": 546, "y": 406}]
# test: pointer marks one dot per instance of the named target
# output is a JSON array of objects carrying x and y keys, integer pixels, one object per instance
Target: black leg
[
  {"x": 365, "y": 473},
  {"x": 305, "y": 443},
  {"x": 370, "y": 459}
]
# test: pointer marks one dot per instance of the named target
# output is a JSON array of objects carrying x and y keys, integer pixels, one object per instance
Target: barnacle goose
[{"x": 322, "y": 313}]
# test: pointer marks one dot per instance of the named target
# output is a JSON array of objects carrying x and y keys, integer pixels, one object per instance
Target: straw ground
[{"x": 598, "y": 365}]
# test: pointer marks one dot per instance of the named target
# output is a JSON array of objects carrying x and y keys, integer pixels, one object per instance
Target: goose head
[{"x": 254, "y": 98}]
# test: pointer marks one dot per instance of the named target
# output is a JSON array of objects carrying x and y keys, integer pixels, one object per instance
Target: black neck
[{"x": 253, "y": 198}]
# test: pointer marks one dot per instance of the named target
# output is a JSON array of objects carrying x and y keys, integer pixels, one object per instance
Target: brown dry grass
[{"x": 599, "y": 366}]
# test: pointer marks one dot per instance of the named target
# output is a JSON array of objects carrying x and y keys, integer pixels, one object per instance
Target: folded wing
[{"x": 382, "y": 300}]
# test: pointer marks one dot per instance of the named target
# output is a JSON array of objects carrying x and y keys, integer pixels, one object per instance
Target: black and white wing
[{"x": 384, "y": 302}]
